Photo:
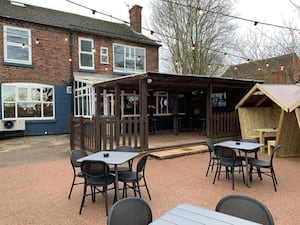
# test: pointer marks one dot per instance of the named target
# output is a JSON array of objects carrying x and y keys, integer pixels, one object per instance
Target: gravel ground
[{"x": 35, "y": 183}]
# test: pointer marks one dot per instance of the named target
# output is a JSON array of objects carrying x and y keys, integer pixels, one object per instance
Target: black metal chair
[
  {"x": 213, "y": 160},
  {"x": 265, "y": 167},
  {"x": 123, "y": 148},
  {"x": 227, "y": 158},
  {"x": 74, "y": 155},
  {"x": 134, "y": 178},
  {"x": 97, "y": 176},
  {"x": 130, "y": 211},
  {"x": 246, "y": 208}
]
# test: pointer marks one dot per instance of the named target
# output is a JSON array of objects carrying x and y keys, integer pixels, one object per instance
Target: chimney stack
[{"x": 135, "y": 14}]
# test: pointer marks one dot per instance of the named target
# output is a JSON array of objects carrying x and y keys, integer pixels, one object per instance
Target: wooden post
[
  {"x": 143, "y": 113},
  {"x": 175, "y": 115},
  {"x": 117, "y": 114},
  {"x": 97, "y": 133},
  {"x": 208, "y": 110},
  {"x": 81, "y": 122}
]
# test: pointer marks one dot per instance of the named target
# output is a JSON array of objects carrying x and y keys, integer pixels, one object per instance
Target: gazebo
[{"x": 272, "y": 111}]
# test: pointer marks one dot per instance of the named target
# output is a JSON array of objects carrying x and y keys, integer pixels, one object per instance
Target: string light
[
  {"x": 281, "y": 67},
  {"x": 267, "y": 65},
  {"x": 193, "y": 47}
]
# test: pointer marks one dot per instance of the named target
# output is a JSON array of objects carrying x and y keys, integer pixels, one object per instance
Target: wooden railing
[
  {"x": 105, "y": 133},
  {"x": 224, "y": 124}
]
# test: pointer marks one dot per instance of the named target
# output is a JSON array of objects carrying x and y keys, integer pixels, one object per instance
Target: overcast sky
[{"x": 268, "y": 11}]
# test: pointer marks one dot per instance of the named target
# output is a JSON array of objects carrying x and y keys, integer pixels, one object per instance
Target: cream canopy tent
[{"x": 273, "y": 106}]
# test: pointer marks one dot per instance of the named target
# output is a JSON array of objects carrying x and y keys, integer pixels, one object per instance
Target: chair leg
[
  {"x": 83, "y": 198},
  {"x": 274, "y": 179},
  {"x": 105, "y": 197},
  {"x": 232, "y": 177},
  {"x": 71, "y": 187},
  {"x": 216, "y": 173},
  {"x": 209, "y": 164},
  {"x": 147, "y": 188}
]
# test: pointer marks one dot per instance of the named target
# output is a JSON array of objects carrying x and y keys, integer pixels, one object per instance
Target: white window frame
[
  {"x": 16, "y": 100},
  {"x": 84, "y": 99},
  {"x": 91, "y": 53},
  {"x": 136, "y": 101},
  {"x": 104, "y": 55},
  {"x": 7, "y": 43},
  {"x": 162, "y": 100},
  {"x": 130, "y": 54}
]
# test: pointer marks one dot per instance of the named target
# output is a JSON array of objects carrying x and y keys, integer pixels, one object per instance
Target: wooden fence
[
  {"x": 106, "y": 132},
  {"x": 225, "y": 124}
]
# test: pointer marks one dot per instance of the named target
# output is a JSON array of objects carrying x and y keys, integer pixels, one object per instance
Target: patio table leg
[
  {"x": 116, "y": 183},
  {"x": 247, "y": 170}
]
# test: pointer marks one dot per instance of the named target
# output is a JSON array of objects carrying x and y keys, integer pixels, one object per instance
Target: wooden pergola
[{"x": 174, "y": 84}]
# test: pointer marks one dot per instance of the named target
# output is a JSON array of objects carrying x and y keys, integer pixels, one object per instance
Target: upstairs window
[
  {"x": 17, "y": 45},
  {"x": 104, "y": 55},
  {"x": 86, "y": 54},
  {"x": 129, "y": 59}
]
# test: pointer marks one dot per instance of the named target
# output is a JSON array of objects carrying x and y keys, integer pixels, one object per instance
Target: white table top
[
  {"x": 114, "y": 157},
  {"x": 186, "y": 214},
  {"x": 242, "y": 145}
]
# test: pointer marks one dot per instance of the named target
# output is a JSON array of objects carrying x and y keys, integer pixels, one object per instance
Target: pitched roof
[
  {"x": 286, "y": 96},
  {"x": 74, "y": 22},
  {"x": 250, "y": 70}
]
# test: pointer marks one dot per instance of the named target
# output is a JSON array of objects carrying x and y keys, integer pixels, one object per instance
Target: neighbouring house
[
  {"x": 50, "y": 59},
  {"x": 284, "y": 69},
  {"x": 275, "y": 110}
]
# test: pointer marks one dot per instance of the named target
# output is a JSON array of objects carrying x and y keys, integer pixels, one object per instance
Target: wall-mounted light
[{"x": 149, "y": 80}]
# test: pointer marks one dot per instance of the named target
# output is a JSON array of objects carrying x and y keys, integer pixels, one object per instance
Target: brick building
[
  {"x": 51, "y": 59},
  {"x": 284, "y": 69}
]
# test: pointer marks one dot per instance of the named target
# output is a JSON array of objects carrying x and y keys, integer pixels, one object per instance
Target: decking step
[{"x": 181, "y": 151}]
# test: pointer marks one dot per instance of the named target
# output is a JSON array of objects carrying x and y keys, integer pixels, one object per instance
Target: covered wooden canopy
[{"x": 275, "y": 106}]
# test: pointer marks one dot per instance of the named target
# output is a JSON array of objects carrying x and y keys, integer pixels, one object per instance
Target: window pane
[
  {"x": 86, "y": 60},
  {"x": 48, "y": 94},
  {"x": 35, "y": 94},
  {"x": 29, "y": 110},
  {"x": 48, "y": 110},
  {"x": 17, "y": 36},
  {"x": 23, "y": 94},
  {"x": 86, "y": 46},
  {"x": 9, "y": 93},
  {"x": 119, "y": 56},
  {"x": 129, "y": 64},
  {"x": 9, "y": 110},
  {"x": 18, "y": 53},
  {"x": 140, "y": 59}
]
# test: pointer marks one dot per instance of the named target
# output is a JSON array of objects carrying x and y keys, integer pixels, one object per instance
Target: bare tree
[{"x": 195, "y": 32}]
